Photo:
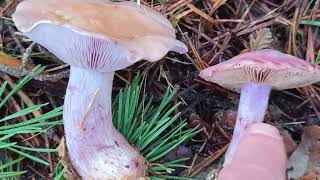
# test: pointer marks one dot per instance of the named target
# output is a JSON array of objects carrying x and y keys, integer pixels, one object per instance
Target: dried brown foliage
[
  {"x": 262, "y": 39},
  {"x": 215, "y": 31}
]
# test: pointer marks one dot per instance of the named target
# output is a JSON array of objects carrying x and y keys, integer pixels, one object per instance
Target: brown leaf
[
  {"x": 9, "y": 61},
  {"x": 312, "y": 175},
  {"x": 70, "y": 173},
  {"x": 262, "y": 40},
  {"x": 306, "y": 158}
]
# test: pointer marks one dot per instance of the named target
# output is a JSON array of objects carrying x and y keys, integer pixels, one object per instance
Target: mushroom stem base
[
  {"x": 252, "y": 108},
  {"x": 96, "y": 149}
]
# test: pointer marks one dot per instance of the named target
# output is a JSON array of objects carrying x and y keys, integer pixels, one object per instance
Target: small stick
[
  {"x": 23, "y": 96},
  {"x": 21, "y": 71},
  {"x": 206, "y": 162},
  {"x": 25, "y": 57},
  {"x": 8, "y": 7}
]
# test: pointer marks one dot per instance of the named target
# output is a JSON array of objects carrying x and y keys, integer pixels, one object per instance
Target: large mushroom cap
[
  {"x": 268, "y": 67},
  {"x": 125, "y": 31}
]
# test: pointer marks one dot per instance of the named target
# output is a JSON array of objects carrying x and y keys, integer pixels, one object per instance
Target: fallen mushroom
[
  {"x": 255, "y": 74},
  {"x": 97, "y": 37}
]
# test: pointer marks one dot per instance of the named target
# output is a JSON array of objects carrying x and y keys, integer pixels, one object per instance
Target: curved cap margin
[
  {"x": 268, "y": 67},
  {"x": 141, "y": 31}
]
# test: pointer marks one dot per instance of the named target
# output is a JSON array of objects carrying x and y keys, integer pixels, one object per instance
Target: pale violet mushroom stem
[
  {"x": 252, "y": 108},
  {"x": 96, "y": 148}
]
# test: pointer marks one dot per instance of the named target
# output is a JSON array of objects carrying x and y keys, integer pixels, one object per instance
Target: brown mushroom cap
[
  {"x": 267, "y": 67},
  {"x": 121, "y": 20},
  {"x": 137, "y": 32}
]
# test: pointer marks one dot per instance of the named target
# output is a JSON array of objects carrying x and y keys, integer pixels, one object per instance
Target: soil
[{"x": 215, "y": 31}]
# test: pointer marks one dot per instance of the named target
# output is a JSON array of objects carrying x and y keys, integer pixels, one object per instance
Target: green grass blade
[
  {"x": 5, "y": 137},
  {"x": 46, "y": 150},
  {"x": 10, "y": 163},
  {"x": 33, "y": 158},
  {"x": 310, "y": 22},
  {"x": 23, "y": 112},
  {"x": 60, "y": 169},
  {"x": 22, "y": 82},
  {"x": 54, "y": 113},
  {"x": 6, "y": 145},
  {"x": 4, "y": 175},
  {"x": 120, "y": 112},
  {"x": 3, "y": 87}
]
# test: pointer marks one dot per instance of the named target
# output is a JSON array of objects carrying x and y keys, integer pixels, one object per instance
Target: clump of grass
[
  {"x": 154, "y": 131},
  {"x": 9, "y": 168},
  {"x": 59, "y": 171}
]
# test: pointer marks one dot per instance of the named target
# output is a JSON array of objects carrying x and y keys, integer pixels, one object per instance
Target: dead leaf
[
  {"x": 62, "y": 149},
  {"x": 70, "y": 173},
  {"x": 262, "y": 40},
  {"x": 305, "y": 160},
  {"x": 9, "y": 61},
  {"x": 312, "y": 175}
]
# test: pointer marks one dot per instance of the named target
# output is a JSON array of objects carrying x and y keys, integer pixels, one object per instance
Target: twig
[
  {"x": 20, "y": 71},
  {"x": 26, "y": 55},
  {"x": 206, "y": 162},
  {"x": 8, "y": 7},
  {"x": 22, "y": 95}
]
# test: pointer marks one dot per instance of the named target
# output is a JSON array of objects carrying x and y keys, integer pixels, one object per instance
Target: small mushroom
[
  {"x": 97, "y": 37},
  {"x": 255, "y": 74}
]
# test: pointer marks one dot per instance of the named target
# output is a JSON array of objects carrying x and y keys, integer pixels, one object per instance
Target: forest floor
[{"x": 214, "y": 31}]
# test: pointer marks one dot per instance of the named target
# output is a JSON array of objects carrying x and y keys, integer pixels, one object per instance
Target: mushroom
[
  {"x": 255, "y": 74},
  {"x": 97, "y": 37}
]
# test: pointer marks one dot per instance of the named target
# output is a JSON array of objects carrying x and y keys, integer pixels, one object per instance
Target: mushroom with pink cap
[
  {"x": 97, "y": 37},
  {"x": 255, "y": 74}
]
